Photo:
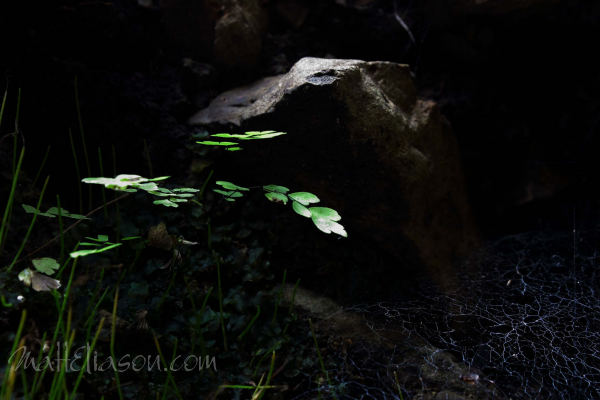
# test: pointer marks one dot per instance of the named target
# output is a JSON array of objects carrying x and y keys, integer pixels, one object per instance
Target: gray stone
[{"x": 359, "y": 137}]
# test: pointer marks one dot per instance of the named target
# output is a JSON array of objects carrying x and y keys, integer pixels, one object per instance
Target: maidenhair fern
[
  {"x": 97, "y": 245},
  {"x": 52, "y": 212},
  {"x": 133, "y": 183},
  {"x": 325, "y": 219},
  {"x": 234, "y": 146}
]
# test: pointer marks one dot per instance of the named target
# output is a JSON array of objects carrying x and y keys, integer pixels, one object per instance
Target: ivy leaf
[
  {"x": 276, "y": 188},
  {"x": 277, "y": 197},
  {"x": 300, "y": 209},
  {"x": 46, "y": 265},
  {"x": 304, "y": 198}
]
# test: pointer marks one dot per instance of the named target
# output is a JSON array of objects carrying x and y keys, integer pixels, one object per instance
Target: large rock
[
  {"x": 229, "y": 32},
  {"x": 359, "y": 137},
  {"x": 448, "y": 11}
]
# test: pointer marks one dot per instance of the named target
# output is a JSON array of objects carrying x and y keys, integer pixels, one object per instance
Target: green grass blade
[
  {"x": 9, "y": 202},
  {"x": 42, "y": 165},
  {"x": 30, "y": 226}
]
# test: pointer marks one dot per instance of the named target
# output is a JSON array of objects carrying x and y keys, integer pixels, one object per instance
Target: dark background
[{"x": 518, "y": 84}]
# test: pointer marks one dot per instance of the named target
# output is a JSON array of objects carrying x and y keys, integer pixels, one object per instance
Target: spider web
[{"x": 524, "y": 325}]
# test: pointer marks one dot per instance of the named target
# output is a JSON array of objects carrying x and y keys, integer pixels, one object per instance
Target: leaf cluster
[
  {"x": 234, "y": 146},
  {"x": 133, "y": 183},
  {"x": 325, "y": 218}
]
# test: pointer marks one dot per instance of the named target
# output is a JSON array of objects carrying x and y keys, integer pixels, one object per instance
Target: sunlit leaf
[
  {"x": 328, "y": 226},
  {"x": 165, "y": 202},
  {"x": 229, "y": 194},
  {"x": 276, "y": 197},
  {"x": 324, "y": 213},
  {"x": 121, "y": 188},
  {"x": 161, "y": 193},
  {"x": 300, "y": 209},
  {"x": 267, "y": 135},
  {"x": 304, "y": 198},
  {"x": 183, "y": 194},
  {"x": 100, "y": 238},
  {"x": 129, "y": 178},
  {"x": 212, "y": 143},
  {"x": 186, "y": 190},
  {"x": 83, "y": 253},
  {"x": 228, "y": 135},
  {"x": 276, "y": 188},
  {"x": 230, "y": 186},
  {"x": 147, "y": 186},
  {"x": 100, "y": 181},
  {"x": 160, "y": 178},
  {"x": 25, "y": 276},
  {"x": 130, "y": 238},
  {"x": 46, "y": 265}
]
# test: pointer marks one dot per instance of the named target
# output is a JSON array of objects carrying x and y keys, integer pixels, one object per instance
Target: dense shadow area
[
  {"x": 518, "y": 83},
  {"x": 518, "y": 86}
]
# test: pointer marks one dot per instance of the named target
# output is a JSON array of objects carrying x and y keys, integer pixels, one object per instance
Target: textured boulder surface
[
  {"x": 496, "y": 6},
  {"x": 360, "y": 138}
]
